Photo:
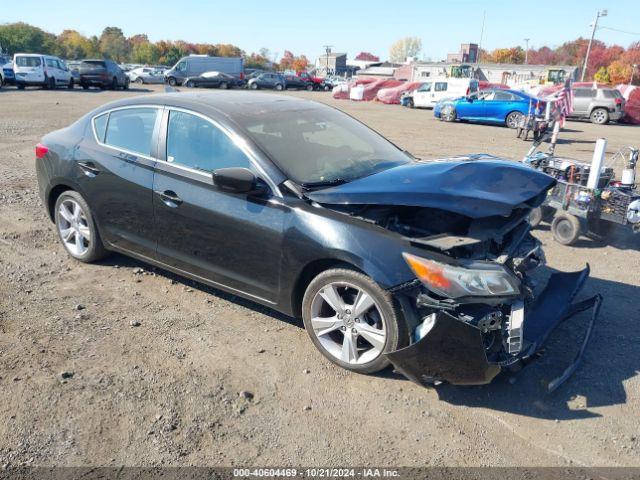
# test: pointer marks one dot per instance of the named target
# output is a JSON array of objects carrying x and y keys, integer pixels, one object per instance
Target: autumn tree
[
  {"x": 146, "y": 53},
  {"x": 405, "y": 48},
  {"x": 73, "y": 46},
  {"x": 366, "y": 56},
  {"x": 602, "y": 75},
  {"x": 113, "y": 44},
  {"x": 619, "y": 72},
  {"x": 22, "y": 37}
]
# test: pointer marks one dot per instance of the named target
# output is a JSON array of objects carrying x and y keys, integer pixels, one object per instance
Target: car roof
[{"x": 232, "y": 104}]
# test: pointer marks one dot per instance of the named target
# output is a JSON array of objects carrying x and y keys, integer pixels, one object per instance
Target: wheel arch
[
  {"x": 310, "y": 271},
  {"x": 55, "y": 191}
]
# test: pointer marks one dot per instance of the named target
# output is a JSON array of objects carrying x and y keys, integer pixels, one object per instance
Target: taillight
[
  {"x": 242, "y": 76},
  {"x": 618, "y": 101},
  {"x": 41, "y": 150}
]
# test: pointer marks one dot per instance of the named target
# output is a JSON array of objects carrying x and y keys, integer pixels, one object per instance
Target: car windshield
[
  {"x": 321, "y": 146},
  {"x": 92, "y": 64}
]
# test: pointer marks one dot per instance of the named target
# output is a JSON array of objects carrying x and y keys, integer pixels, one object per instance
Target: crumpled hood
[{"x": 475, "y": 188}]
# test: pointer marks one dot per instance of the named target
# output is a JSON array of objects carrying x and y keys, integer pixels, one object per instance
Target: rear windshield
[
  {"x": 28, "y": 61},
  {"x": 92, "y": 64}
]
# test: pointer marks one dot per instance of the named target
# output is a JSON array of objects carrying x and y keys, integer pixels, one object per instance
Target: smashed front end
[
  {"x": 480, "y": 307},
  {"x": 476, "y": 306}
]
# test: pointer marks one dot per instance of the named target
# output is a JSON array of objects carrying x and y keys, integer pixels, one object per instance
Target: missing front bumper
[{"x": 453, "y": 350}]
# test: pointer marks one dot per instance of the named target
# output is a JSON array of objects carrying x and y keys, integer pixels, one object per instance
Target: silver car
[
  {"x": 146, "y": 75},
  {"x": 600, "y": 105}
]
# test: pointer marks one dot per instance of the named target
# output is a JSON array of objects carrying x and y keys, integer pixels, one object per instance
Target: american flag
[{"x": 563, "y": 101}]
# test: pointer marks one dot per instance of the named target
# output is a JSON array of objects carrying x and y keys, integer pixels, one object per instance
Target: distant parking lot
[{"x": 152, "y": 365}]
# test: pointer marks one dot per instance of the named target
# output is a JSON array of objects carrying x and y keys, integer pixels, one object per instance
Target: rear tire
[
  {"x": 139, "y": 81},
  {"x": 382, "y": 321},
  {"x": 114, "y": 83},
  {"x": 565, "y": 228},
  {"x": 309, "y": 88},
  {"x": 70, "y": 85},
  {"x": 93, "y": 248},
  {"x": 279, "y": 87},
  {"x": 253, "y": 86},
  {"x": 190, "y": 84},
  {"x": 224, "y": 86},
  {"x": 599, "y": 116}
]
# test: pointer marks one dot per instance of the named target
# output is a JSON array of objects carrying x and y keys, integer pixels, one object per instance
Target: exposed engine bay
[{"x": 484, "y": 335}]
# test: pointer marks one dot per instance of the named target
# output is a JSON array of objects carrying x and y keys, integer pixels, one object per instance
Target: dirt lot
[{"x": 166, "y": 392}]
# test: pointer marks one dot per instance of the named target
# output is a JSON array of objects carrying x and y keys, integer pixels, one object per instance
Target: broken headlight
[{"x": 477, "y": 279}]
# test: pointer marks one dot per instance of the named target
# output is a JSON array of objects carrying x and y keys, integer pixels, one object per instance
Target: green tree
[
  {"x": 113, "y": 44},
  {"x": 24, "y": 38},
  {"x": 146, "y": 53}
]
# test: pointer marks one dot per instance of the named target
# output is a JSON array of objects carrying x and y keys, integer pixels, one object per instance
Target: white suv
[{"x": 42, "y": 70}]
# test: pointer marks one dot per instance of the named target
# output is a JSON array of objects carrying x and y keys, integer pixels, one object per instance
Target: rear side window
[
  {"x": 100, "y": 126},
  {"x": 131, "y": 129},
  {"x": 196, "y": 143},
  {"x": 28, "y": 61},
  {"x": 440, "y": 87},
  {"x": 611, "y": 94},
  {"x": 505, "y": 96}
]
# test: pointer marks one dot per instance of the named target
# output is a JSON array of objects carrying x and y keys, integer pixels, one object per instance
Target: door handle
[
  {"x": 170, "y": 198},
  {"x": 89, "y": 169}
]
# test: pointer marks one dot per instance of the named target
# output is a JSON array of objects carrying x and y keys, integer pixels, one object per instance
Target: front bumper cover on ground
[{"x": 453, "y": 351}]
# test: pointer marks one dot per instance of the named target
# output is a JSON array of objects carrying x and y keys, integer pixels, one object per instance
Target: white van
[
  {"x": 434, "y": 90},
  {"x": 42, "y": 70}
]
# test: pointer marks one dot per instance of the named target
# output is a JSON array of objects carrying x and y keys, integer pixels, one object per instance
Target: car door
[
  {"x": 498, "y": 104},
  {"x": 582, "y": 98},
  {"x": 469, "y": 107},
  {"x": 114, "y": 169},
  {"x": 440, "y": 92},
  {"x": 65, "y": 72},
  {"x": 232, "y": 240},
  {"x": 422, "y": 96}
]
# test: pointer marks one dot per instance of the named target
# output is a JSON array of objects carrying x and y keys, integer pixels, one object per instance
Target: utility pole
[
  {"x": 601, "y": 13},
  {"x": 327, "y": 49},
  {"x": 484, "y": 17},
  {"x": 526, "y": 51}
]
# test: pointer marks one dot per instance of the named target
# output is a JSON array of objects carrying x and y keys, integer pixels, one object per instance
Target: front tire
[
  {"x": 253, "y": 86},
  {"x": 77, "y": 229},
  {"x": 190, "y": 84},
  {"x": 352, "y": 321},
  {"x": 279, "y": 87},
  {"x": 448, "y": 113},
  {"x": 514, "y": 119},
  {"x": 565, "y": 228},
  {"x": 139, "y": 81}
]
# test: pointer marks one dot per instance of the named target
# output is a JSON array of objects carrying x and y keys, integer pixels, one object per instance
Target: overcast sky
[{"x": 349, "y": 25}]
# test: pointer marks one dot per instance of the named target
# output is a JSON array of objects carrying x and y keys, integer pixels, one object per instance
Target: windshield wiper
[{"x": 324, "y": 183}]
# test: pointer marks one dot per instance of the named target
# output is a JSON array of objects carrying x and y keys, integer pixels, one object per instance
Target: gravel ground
[{"x": 121, "y": 364}]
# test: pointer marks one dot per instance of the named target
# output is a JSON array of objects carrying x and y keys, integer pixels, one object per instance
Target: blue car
[
  {"x": 504, "y": 107},
  {"x": 7, "y": 73}
]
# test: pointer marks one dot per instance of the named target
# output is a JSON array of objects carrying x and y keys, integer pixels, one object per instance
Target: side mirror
[{"x": 237, "y": 180}]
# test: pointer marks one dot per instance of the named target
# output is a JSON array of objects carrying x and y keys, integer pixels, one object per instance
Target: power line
[{"x": 621, "y": 31}]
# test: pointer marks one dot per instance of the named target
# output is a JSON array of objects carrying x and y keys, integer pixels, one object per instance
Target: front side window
[
  {"x": 426, "y": 87},
  {"x": 181, "y": 67},
  {"x": 197, "y": 143},
  {"x": 131, "y": 129},
  {"x": 440, "y": 87}
]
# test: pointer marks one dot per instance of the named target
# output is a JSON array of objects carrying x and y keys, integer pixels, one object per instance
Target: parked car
[
  {"x": 103, "y": 74},
  {"x": 388, "y": 260},
  {"x": 195, "y": 65},
  {"x": 8, "y": 77},
  {"x": 318, "y": 83},
  {"x": 144, "y": 75},
  {"x": 274, "y": 81},
  {"x": 299, "y": 83},
  {"x": 74, "y": 68},
  {"x": 432, "y": 91},
  {"x": 213, "y": 80},
  {"x": 47, "y": 71},
  {"x": 505, "y": 107},
  {"x": 600, "y": 105}
]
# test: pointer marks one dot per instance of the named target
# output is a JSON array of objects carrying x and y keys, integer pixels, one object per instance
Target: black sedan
[
  {"x": 298, "y": 206},
  {"x": 213, "y": 80}
]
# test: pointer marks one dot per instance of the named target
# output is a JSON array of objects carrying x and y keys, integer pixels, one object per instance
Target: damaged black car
[{"x": 428, "y": 266}]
